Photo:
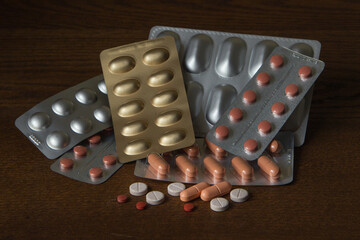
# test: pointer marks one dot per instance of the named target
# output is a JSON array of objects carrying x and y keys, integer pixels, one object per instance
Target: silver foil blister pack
[
  {"x": 60, "y": 122},
  {"x": 287, "y": 86},
  {"x": 284, "y": 160},
  {"x": 77, "y": 167},
  {"x": 217, "y": 65}
]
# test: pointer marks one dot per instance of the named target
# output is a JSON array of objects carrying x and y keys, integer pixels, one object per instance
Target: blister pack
[
  {"x": 197, "y": 164},
  {"x": 93, "y": 161},
  {"x": 265, "y": 103},
  {"x": 217, "y": 65},
  {"x": 60, "y": 122},
  {"x": 147, "y": 98}
]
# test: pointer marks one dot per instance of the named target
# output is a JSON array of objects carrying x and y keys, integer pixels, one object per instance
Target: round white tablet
[
  {"x": 239, "y": 195},
  {"x": 174, "y": 189},
  {"x": 219, "y": 204},
  {"x": 138, "y": 189},
  {"x": 155, "y": 198}
]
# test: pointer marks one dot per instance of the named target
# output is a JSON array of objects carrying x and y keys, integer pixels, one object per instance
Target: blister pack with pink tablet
[
  {"x": 60, "y": 122},
  {"x": 217, "y": 65},
  {"x": 93, "y": 161},
  {"x": 264, "y": 105},
  {"x": 198, "y": 163}
]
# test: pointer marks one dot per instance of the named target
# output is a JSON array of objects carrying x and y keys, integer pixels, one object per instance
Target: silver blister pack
[
  {"x": 60, "y": 122},
  {"x": 284, "y": 160},
  {"x": 287, "y": 85},
  {"x": 78, "y": 167},
  {"x": 217, "y": 65}
]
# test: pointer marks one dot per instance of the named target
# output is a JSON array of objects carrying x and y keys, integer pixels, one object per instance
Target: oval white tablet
[
  {"x": 219, "y": 204},
  {"x": 138, "y": 189},
  {"x": 155, "y": 198},
  {"x": 174, "y": 189}
]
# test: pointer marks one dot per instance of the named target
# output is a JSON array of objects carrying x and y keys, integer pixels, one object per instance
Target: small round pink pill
[
  {"x": 95, "y": 172},
  {"x": 122, "y": 198},
  {"x": 94, "y": 139},
  {"x": 264, "y": 127},
  {"x": 278, "y": 108},
  {"x": 222, "y": 132},
  {"x": 249, "y": 96},
  {"x": 291, "y": 90},
  {"x": 80, "y": 150},
  {"x": 235, "y": 114},
  {"x": 305, "y": 72},
  {"x": 263, "y": 79},
  {"x": 250, "y": 145},
  {"x": 188, "y": 207},
  {"x": 66, "y": 163},
  {"x": 276, "y": 61},
  {"x": 141, "y": 205},
  {"x": 109, "y": 160}
]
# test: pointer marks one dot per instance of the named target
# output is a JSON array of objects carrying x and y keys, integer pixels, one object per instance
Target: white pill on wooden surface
[
  {"x": 239, "y": 195},
  {"x": 138, "y": 189},
  {"x": 219, "y": 204},
  {"x": 174, "y": 189},
  {"x": 155, "y": 198}
]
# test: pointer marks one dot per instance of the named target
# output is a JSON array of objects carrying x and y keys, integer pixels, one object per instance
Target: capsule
[
  {"x": 214, "y": 167},
  {"x": 193, "y": 192},
  {"x": 186, "y": 166},
  {"x": 275, "y": 146},
  {"x": 217, "y": 151},
  {"x": 192, "y": 151},
  {"x": 216, "y": 190},
  {"x": 269, "y": 167},
  {"x": 158, "y": 163},
  {"x": 243, "y": 168}
]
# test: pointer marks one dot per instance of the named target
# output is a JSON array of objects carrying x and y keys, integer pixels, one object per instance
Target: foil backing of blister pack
[
  {"x": 266, "y": 96},
  {"x": 60, "y": 122},
  {"x": 147, "y": 98},
  {"x": 217, "y": 65},
  {"x": 284, "y": 159},
  {"x": 92, "y": 159}
]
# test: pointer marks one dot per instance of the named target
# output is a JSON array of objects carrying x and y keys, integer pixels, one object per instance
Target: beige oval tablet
[
  {"x": 134, "y": 128},
  {"x": 131, "y": 108},
  {"x": 155, "y": 56},
  {"x": 168, "y": 118},
  {"x": 136, "y": 147},
  {"x": 160, "y": 78},
  {"x": 164, "y": 98},
  {"x": 121, "y": 64},
  {"x": 126, "y": 87},
  {"x": 172, "y": 138}
]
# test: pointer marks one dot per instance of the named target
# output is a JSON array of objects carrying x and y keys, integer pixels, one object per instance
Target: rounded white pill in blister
[
  {"x": 138, "y": 189},
  {"x": 155, "y": 197},
  {"x": 102, "y": 87},
  {"x": 57, "y": 140},
  {"x": 102, "y": 114},
  {"x": 81, "y": 125},
  {"x": 85, "y": 96},
  {"x": 219, "y": 204},
  {"x": 39, "y": 121},
  {"x": 63, "y": 107},
  {"x": 239, "y": 195},
  {"x": 174, "y": 189}
]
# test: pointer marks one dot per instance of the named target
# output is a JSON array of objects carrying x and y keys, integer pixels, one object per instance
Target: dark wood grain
[{"x": 48, "y": 46}]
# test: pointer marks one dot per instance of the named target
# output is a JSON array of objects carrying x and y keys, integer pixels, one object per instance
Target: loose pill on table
[
  {"x": 95, "y": 172},
  {"x": 249, "y": 97},
  {"x": 276, "y": 61},
  {"x": 158, "y": 163},
  {"x": 239, "y": 195},
  {"x": 221, "y": 132},
  {"x": 193, "y": 192},
  {"x": 305, "y": 72},
  {"x": 216, "y": 190},
  {"x": 214, "y": 167},
  {"x": 263, "y": 79},
  {"x": 66, "y": 163},
  {"x": 192, "y": 151},
  {"x": 243, "y": 168},
  {"x": 122, "y": 198},
  {"x": 109, "y": 160},
  {"x": 141, "y": 205},
  {"x": 278, "y": 109},
  {"x": 155, "y": 198},
  {"x": 217, "y": 151},
  {"x": 291, "y": 90},
  {"x": 80, "y": 150},
  {"x": 275, "y": 146},
  {"x": 269, "y": 167},
  {"x": 188, "y": 207},
  {"x": 138, "y": 189},
  {"x": 186, "y": 166},
  {"x": 250, "y": 146},
  {"x": 219, "y": 204},
  {"x": 94, "y": 139},
  {"x": 235, "y": 114},
  {"x": 174, "y": 189},
  {"x": 264, "y": 127}
]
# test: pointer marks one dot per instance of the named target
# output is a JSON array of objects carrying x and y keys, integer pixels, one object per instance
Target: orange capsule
[
  {"x": 216, "y": 190},
  {"x": 193, "y": 192},
  {"x": 217, "y": 151},
  {"x": 214, "y": 167},
  {"x": 192, "y": 151},
  {"x": 158, "y": 163},
  {"x": 269, "y": 167},
  {"x": 275, "y": 146},
  {"x": 186, "y": 166},
  {"x": 243, "y": 168}
]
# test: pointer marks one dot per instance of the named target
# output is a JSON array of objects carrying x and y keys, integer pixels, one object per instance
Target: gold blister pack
[{"x": 147, "y": 97}]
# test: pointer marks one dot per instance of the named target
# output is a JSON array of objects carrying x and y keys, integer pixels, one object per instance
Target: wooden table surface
[{"x": 49, "y": 46}]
